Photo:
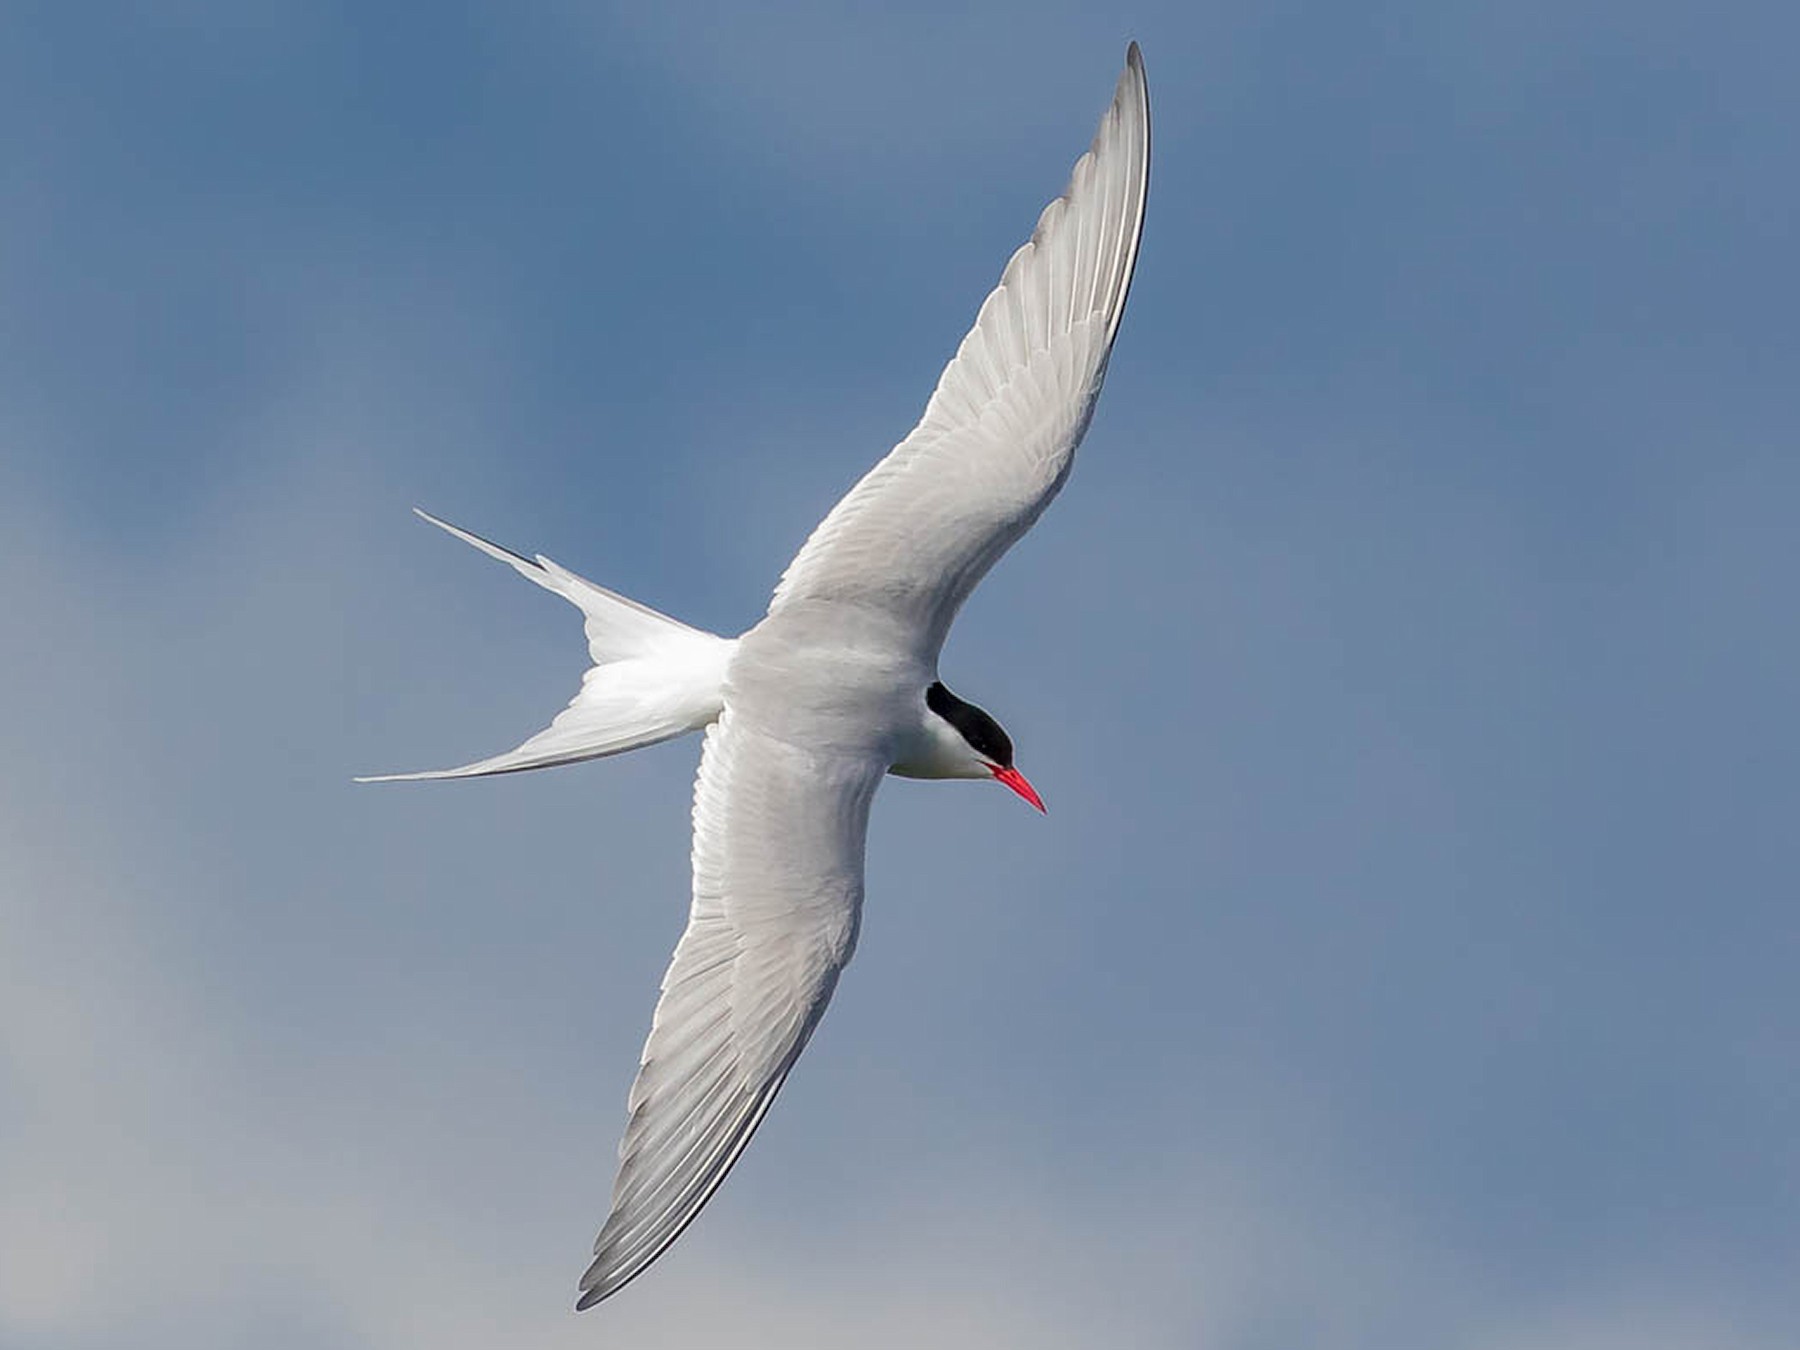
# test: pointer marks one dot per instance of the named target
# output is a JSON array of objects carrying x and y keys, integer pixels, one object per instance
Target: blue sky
[{"x": 1408, "y": 957}]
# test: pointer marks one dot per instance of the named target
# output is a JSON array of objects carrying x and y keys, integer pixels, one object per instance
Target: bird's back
[{"x": 843, "y": 679}]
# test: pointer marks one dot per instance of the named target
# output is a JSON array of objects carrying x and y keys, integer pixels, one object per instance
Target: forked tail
[{"x": 653, "y": 677}]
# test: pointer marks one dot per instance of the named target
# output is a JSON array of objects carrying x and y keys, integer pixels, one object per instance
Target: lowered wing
[{"x": 778, "y": 875}]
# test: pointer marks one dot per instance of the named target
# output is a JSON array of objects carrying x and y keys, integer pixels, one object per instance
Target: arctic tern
[{"x": 835, "y": 687}]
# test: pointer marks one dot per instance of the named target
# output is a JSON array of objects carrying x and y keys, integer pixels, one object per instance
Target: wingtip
[
  {"x": 1133, "y": 75},
  {"x": 597, "y": 1285},
  {"x": 1130, "y": 101}
]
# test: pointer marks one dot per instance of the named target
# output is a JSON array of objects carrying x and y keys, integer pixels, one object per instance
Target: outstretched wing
[
  {"x": 778, "y": 876},
  {"x": 997, "y": 439}
]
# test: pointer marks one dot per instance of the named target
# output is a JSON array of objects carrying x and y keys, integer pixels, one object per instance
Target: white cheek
[{"x": 939, "y": 751}]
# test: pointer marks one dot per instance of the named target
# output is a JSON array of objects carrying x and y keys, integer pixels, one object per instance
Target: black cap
[{"x": 982, "y": 732}]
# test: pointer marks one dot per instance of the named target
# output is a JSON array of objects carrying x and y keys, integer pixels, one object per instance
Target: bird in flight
[{"x": 835, "y": 687}]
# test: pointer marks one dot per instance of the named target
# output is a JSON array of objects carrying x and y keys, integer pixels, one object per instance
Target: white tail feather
[{"x": 654, "y": 677}]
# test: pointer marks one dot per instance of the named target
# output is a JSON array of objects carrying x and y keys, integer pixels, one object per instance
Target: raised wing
[
  {"x": 778, "y": 876},
  {"x": 997, "y": 439}
]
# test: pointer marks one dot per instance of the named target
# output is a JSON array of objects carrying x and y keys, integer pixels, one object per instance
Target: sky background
[{"x": 1409, "y": 956}]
